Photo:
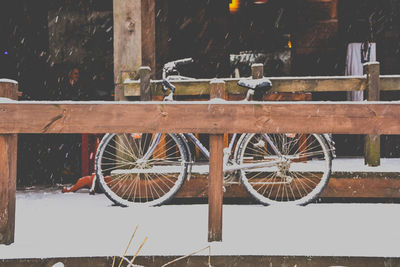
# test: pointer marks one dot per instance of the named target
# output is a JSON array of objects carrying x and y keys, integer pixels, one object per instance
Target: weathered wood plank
[
  {"x": 8, "y": 172},
  {"x": 145, "y": 74},
  {"x": 201, "y": 117},
  {"x": 390, "y": 82},
  {"x": 127, "y": 40},
  {"x": 9, "y": 89},
  {"x": 215, "y": 188},
  {"x": 217, "y": 90},
  {"x": 341, "y": 184},
  {"x": 162, "y": 36},
  {"x": 372, "y": 145},
  {"x": 217, "y": 260},
  {"x": 8, "y": 178},
  {"x": 281, "y": 84},
  {"x": 148, "y": 34}
]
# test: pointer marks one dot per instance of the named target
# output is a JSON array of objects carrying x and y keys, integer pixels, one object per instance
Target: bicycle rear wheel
[
  {"x": 299, "y": 173},
  {"x": 128, "y": 179}
]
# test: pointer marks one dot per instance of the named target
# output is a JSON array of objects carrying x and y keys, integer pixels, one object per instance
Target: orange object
[
  {"x": 84, "y": 182},
  {"x": 234, "y": 6}
]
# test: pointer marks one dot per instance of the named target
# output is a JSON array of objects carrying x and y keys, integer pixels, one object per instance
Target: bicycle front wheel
[
  {"x": 131, "y": 175},
  {"x": 296, "y": 170}
]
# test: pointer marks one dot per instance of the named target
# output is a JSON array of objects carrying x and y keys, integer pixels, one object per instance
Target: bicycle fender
[
  {"x": 189, "y": 154},
  {"x": 331, "y": 144}
]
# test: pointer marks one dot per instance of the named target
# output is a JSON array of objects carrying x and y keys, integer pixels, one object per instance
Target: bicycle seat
[{"x": 263, "y": 84}]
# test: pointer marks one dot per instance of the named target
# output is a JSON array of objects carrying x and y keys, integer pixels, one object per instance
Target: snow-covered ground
[
  {"x": 357, "y": 165},
  {"x": 52, "y": 224}
]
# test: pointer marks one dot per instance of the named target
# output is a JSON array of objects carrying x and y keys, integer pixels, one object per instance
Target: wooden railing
[
  {"x": 213, "y": 117},
  {"x": 281, "y": 84},
  {"x": 372, "y": 83}
]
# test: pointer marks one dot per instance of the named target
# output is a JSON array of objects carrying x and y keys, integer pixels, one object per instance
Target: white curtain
[{"x": 354, "y": 65}]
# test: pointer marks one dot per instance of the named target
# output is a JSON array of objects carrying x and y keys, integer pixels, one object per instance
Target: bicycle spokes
[
  {"x": 295, "y": 173},
  {"x": 141, "y": 169}
]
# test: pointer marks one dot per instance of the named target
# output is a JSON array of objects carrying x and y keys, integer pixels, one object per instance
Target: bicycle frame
[
  {"x": 152, "y": 170},
  {"x": 227, "y": 153}
]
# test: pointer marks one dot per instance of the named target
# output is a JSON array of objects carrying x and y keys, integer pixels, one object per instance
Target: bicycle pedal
[
  {"x": 290, "y": 135},
  {"x": 260, "y": 143}
]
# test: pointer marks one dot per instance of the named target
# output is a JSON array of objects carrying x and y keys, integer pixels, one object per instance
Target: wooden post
[
  {"x": 215, "y": 180},
  {"x": 127, "y": 41},
  {"x": 145, "y": 95},
  {"x": 8, "y": 171},
  {"x": 257, "y": 71},
  {"x": 148, "y": 17},
  {"x": 372, "y": 143},
  {"x": 134, "y": 39},
  {"x": 145, "y": 92},
  {"x": 162, "y": 36}
]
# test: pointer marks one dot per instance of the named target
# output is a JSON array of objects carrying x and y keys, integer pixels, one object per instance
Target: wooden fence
[
  {"x": 280, "y": 84},
  {"x": 372, "y": 83},
  {"x": 213, "y": 117}
]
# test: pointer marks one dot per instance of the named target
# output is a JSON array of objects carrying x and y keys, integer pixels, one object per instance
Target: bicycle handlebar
[
  {"x": 177, "y": 63},
  {"x": 184, "y": 61},
  {"x": 171, "y": 66}
]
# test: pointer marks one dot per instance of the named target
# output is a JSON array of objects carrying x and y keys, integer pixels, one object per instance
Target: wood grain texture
[
  {"x": 371, "y": 70},
  {"x": 217, "y": 89},
  {"x": 341, "y": 184},
  {"x": 257, "y": 71},
  {"x": 145, "y": 75},
  {"x": 215, "y": 194},
  {"x": 8, "y": 178},
  {"x": 200, "y": 117},
  {"x": 148, "y": 33},
  {"x": 279, "y": 84},
  {"x": 390, "y": 82},
  {"x": 127, "y": 40},
  {"x": 372, "y": 142},
  {"x": 9, "y": 89},
  {"x": 8, "y": 172},
  {"x": 162, "y": 36}
]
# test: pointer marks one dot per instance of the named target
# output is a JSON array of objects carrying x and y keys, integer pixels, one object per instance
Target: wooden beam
[
  {"x": 372, "y": 143},
  {"x": 127, "y": 41},
  {"x": 215, "y": 193},
  {"x": 341, "y": 184},
  {"x": 202, "y": 117},
  {"x": 145, "y": 74},
  {"x": 390, "y": 82},
  {"x": 279, "y": 84},
  {"x": 162, "y": 36},
  {"x": 215, "y": 188},
  {"x": 148, "y": 34},
  {"x": 8, "y": 171}
]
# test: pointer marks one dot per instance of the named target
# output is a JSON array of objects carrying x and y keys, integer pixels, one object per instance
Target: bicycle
[{"x": 144, "y": 169}]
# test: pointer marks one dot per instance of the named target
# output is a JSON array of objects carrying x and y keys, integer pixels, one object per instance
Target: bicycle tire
[
  {"x": 153, "y": 182},
  {"x": 297, "y": 178}
]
